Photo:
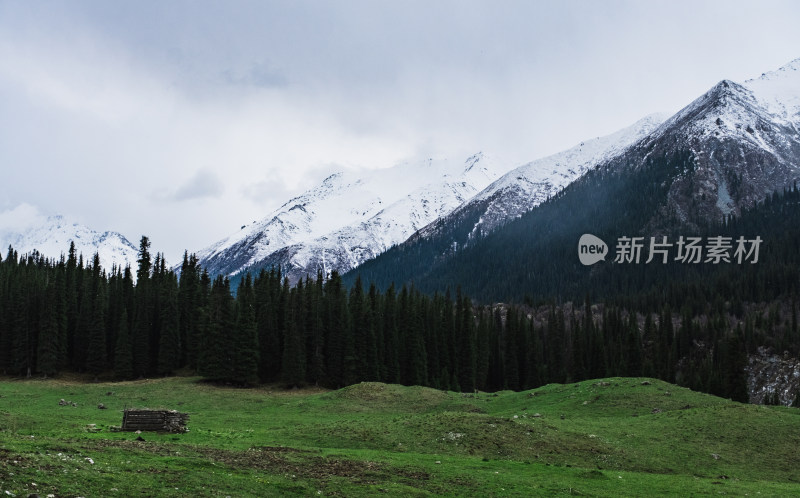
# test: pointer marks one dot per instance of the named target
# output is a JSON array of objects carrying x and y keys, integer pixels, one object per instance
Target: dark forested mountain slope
[{"x": 720, "y": 155}]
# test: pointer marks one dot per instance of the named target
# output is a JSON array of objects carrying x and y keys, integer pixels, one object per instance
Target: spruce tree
[
  {"x": 72, "y": 304},
  {"x": 189, "y": 302},
  {"x": 496, "y": 375},
  {"x": 633, "y": 346},
  {"x": 467, "y": 344},
  {"x": 391, "y": 344},
  {"x": 49, "y": 357},
  {"x": 245, "y": 341},
  {"x": 734, "y": 374},
  {"x": 216, "y": 358},
  {"x": 415, "y": 336},
  {"x": 96, "y": 353},
  {"x": 294, "y": 358},
  {"x": 511, "y": 350},
  {"x": 84, "y": 325},
  {"x": 268, "y": 311},
  {"x": 337, "y": 328},
  {"x": 169, "y": 350},
  {"x": 316, "y": 330},
  {"x": 482, "y": 351},
  {"x": 5, "y": 319},
  {"x": 448, "y": 362},
  {"x": 143, "y": 308},
  {"x": 123, "y": 353},
  {"x": 22, "y": 337},
  {"x": 432, "y": 337},
  {"x": 376, "y": 312},
  {"x": 538, "y": 374},
  {"x": 364, "y": 348}
]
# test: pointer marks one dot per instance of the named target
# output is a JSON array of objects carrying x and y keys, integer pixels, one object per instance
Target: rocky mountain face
[
  {"x": 771, "y": 375},
  {"x": 745, "y": 142},
  {"x": 52, "y": 236},
  {"x": 349, "y": 218}
]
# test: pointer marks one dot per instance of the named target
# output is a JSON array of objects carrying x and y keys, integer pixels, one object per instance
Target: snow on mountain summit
[
  {"x": 351, "y": 216},
  {"x": 348, "y": 219},
  {"x": 778, "y": 91},
  {"x": 51, "y": 237},
  {"x": 762, "y": 112},
  {"x": 527, "y": 186}
]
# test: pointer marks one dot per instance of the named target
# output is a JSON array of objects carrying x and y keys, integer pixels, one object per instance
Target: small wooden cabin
[{"x": 154, "y": 421}]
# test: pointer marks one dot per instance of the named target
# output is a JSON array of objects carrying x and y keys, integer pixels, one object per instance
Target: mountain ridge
[
  {"x": 51, "y": 237},
  {"x": 346, "y": 219},
  {"x": 720, "y": 154}
]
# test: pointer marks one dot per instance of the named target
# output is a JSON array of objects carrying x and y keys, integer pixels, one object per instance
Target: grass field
[{"x": 609, "y": 437}]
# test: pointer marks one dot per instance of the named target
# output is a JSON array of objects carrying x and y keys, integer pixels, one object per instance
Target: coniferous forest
[
  {"x": 71, "y": 315},
  {"x": 693, "y": 326}
]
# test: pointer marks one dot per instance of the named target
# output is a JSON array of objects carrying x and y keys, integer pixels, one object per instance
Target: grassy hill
[{"x": 608, "y": 437}]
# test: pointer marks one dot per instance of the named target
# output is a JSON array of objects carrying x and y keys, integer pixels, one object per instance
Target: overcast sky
[{"x": 183, "y": 120}]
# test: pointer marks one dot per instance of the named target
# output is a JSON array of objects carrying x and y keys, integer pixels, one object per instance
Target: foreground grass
[{"x": 610, "y": 437}]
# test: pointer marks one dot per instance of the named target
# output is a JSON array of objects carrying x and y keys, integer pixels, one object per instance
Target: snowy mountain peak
[
  {"x": 778, "y": 92},
  {"x": 352, "y": 216},
  {"x": 724, "y": 152},
  {"x": 51, "y": 237},
  {"x": 744, "y": 141},
  {"x": 786, "y": 71},
  {"x": 473, "y": 160},
  {"x": 759, "y": 112},
  {"x": 525, "y": 187}
]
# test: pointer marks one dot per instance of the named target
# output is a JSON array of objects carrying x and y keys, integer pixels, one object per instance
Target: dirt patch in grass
[
  {"x": 158, "y": 449},
  {"x": 303, "y": 464},
  {"x": 278, "y": 449},
  {"x": 10, "y": 463},
  {"x": 284, "y": 460}
]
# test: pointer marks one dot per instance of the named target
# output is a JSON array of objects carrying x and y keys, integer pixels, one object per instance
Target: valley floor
[{"x": 607, "y": 437}]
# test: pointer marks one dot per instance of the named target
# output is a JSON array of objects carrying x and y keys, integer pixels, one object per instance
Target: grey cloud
[
  {"x": 273, "y": 190},
  {"x": 203, "y": 184},
  {"x": 266, "y": 192},
  {"x": 157, "y": 88},
  {"x": 262, "y": 74}
]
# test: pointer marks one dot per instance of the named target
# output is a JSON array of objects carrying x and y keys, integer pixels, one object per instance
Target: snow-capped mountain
[
  {"x": 51, "y": 237},
  {"x": 350, "y": 217},
  {"x": 725, "y": 151},
  {"x": 744, "y": 140},
  {"x": 527, "y": 186},
  {"x": 347, "y": 220}
]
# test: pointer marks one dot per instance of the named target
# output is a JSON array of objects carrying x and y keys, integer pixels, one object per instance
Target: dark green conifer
[
  {"x": 169, "y": 350},
  {"x": 294, "y": 358},
  {"x": 245, "y": 341},
  {"x": 123, "y": 353}
]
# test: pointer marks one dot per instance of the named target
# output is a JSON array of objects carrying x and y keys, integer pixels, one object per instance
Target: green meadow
[{"x": 607, "y": 437}]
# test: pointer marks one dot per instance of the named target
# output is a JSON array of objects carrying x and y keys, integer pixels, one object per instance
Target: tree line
[{"x": 68, "y": 315}]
